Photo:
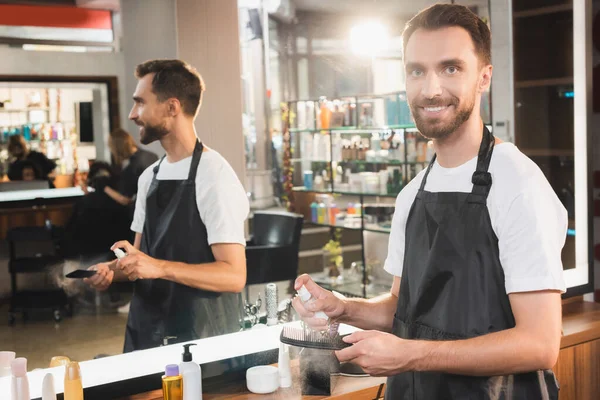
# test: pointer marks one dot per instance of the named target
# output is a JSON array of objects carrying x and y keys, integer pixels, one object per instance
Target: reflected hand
[
  {"x": 103, "y": 277},
  {"x": 323, "y": 300},
  {"x": 138, "y": 265}
]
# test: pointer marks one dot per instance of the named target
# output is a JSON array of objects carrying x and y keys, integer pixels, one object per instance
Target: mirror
[{"x": 328, "y": 64}]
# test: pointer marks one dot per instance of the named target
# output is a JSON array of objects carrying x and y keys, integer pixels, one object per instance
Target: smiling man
[
  {"x": 475, "y": 248},
  {"x": 188, "y": 258}
]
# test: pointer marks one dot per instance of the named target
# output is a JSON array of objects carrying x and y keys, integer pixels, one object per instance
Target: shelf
[
  {"x": 304, "y": 190},
  {"x": 392, "y": 162},
  {"x": 543, "y": 11},
  {"x": 351, "y": 130},
  {"x": 547, "y": 153},
  {"x": 365, "y": 194},
  {"x": 335, "y": 226},
  {"x": 375, "y": 229},
  {"x": 360, "y": 162},
  {"x": 544, "y": 82},
  {"x": 13, "y": 110}
]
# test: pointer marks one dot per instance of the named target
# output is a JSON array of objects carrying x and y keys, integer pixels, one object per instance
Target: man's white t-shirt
[
  {"x": 220, "y": 196},
  {"x": 527, "y": 217}
]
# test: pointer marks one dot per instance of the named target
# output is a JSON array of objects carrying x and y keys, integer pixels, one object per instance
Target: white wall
[
  {"x": 149, "y": 32},
  {"x": 208, "y": 38}
]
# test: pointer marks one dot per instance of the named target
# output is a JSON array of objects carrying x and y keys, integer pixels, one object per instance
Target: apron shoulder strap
[
  {"x": 482, "y": 179},
  {"x": 157, "y": 167},
  {"x": 195, "y": 161},
  {"x": 424, "y": 181}
]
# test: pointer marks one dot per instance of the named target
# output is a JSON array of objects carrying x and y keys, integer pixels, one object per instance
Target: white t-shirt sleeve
[
  {"x": 395, "y": 257},
  {"x": 531, "y": 235},
  {"x": 139, "y": 215},
  {"x": 223, "y": 206}
]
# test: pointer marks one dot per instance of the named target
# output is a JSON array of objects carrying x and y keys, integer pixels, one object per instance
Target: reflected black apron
[
  {"x": 174, "y": 231},
  {"x": 452, "y": 288}
]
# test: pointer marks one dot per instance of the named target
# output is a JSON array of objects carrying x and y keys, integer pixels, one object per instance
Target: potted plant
[{"x": 333, "y": 261}]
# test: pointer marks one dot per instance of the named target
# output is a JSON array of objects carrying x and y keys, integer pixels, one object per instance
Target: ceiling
[{"x": 113, "y": 5}]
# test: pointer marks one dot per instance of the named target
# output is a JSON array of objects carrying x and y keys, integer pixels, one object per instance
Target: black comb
[{"x": 311, "y": 339}]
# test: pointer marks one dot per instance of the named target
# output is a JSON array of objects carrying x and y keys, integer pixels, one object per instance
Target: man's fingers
[
  {"x": 300, "y": 308},
  {"x": 124, "y": 244},
  {"x": 358, "y": 336},
  {"x": 348, "y": 354}
]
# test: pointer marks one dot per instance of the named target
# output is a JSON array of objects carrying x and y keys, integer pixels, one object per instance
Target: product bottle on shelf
[
  {"x": 314, "y": 212},
  {"x": 321, "y": 213},
  {"x": 333, "y": 212}
]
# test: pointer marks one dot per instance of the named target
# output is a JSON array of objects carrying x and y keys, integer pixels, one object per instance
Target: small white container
[{"x": 262, "y": 379}]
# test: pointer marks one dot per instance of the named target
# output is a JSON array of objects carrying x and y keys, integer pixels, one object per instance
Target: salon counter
[
  {"x": 34, "y": 207},
  {"x": 224, "y": 360},
  {"x": 342, "y": 387}
]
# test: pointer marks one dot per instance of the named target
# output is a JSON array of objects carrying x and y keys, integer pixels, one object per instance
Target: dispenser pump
[{"x": 187, "y": 356}]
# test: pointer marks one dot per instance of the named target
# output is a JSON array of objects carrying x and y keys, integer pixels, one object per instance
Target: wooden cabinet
[
  {"x": 578, "y": 371},
  {"x": 578, "y": 367}
]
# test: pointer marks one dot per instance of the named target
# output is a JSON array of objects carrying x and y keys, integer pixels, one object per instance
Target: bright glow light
[{"x": 369, "y": 38}]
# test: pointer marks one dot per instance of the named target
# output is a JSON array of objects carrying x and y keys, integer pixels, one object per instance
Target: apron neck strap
[
  {"x": 155, "y": 170},
  {"x": 427, "y": 172},
  {"x": 197, "y": 155},
  {"x": 482, "y": 179},
  {"x": 198, "y": 149}
]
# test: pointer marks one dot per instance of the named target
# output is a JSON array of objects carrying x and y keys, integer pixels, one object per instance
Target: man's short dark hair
[
  {"x": 174, "y": 79},
  {"x": 448, "y": 15}
]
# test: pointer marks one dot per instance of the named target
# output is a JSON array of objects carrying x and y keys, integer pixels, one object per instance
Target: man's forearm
[
  {"x": 372, "y": 314},
  {"x": 116, "y": 196},
  {"x": 217, "y": 276},
  {"x": 500, "y": 353}
]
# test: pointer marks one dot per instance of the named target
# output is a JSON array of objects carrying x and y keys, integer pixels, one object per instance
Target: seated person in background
[
  {"x": 97, "y": 221},
  {"x": 17, "y": 148},
  {"x": 132, "y": 161},
  {"x": 29, "y": 171}
]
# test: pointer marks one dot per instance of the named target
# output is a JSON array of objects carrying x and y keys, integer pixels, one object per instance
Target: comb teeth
[{"x": 311, "y": 339}]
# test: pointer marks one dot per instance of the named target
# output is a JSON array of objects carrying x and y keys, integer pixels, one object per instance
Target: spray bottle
[
  {"x": 307, "y": 298},
  {"x": 192, "y": 375}
]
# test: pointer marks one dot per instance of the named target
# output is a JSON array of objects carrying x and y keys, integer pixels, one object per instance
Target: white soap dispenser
[{"x": 192, "y": 375}]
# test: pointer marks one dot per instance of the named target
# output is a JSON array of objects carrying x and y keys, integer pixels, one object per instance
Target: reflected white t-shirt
[
  {"x": 220, "y": 196},
  {"x": 527, "y": 217}
]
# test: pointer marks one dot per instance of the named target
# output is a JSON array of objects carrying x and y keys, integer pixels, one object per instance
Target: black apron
[
  {"x": 174, "y": 231},
  {"x": 452, "y": 288}
]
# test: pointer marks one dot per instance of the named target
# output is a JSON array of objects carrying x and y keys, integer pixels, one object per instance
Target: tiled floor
[{"x": 80, "y": 338}]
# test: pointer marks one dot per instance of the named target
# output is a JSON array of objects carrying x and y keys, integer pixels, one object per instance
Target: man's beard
[
  {"x": 432, "y": 128},
  {"x": 152, "y": 133}
]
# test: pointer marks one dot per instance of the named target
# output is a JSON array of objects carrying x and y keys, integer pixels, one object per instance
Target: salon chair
[{"x": 272, "y": 252}]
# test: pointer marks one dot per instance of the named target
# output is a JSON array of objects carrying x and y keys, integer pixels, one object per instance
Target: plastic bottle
[
  {"x": 172, "y": 383},
  {"x": 307, "y": 298},
  {"x": 191, "y": 374},
  {"x": 283, "y": 364},
  {"x": 48, "y": 392},
  {"x": 6, "y": 358},
  {"x": 119, "y": 253},
  {"x": 321, "y": 211},
  {"x": 314, "y": 211},
  {"x": 20, "y": 383},
  {"x": 73, "y": 384}
]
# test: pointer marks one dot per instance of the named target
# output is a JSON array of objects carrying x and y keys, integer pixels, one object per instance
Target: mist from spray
[{"x": 72, "y": 287}]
